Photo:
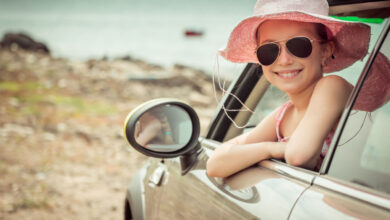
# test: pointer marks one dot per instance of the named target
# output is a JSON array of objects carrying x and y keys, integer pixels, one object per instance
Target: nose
[{"x": 285, "y": 58}]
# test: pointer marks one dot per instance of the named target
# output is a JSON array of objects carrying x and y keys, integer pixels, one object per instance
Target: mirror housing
[{"x": 171, "y": 112}]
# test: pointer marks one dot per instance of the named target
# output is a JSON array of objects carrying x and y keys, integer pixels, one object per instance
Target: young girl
[{"x": 295, "y": 42}]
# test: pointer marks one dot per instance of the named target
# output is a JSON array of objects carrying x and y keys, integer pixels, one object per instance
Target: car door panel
[
  {"x": 334, "y": 200},
  {"x": 192, "y": 198},
  {"x": 277, "y": 191},
  {"x": 141, "y": 195},
  {"x": 151, "y": 194},
  {"x": 264, "y": 191}
]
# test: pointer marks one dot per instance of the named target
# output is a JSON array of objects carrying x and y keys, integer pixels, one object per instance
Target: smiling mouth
[{"x": 288, "y": 74}]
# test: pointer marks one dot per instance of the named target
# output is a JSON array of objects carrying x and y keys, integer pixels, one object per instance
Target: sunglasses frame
[{"x": 288, "y": 50}]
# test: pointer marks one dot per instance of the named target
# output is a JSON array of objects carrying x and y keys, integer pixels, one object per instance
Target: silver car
[{"x": 353, "y": 182}]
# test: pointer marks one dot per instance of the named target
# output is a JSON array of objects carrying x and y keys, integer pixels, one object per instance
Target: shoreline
[{"x": 22, "y": 40}]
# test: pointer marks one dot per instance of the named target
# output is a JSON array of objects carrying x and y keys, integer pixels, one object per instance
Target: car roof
[{"x": 360, "y": 8}]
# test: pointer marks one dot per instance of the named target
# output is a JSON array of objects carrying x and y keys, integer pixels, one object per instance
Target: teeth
[{"x": 288, "y": 75}]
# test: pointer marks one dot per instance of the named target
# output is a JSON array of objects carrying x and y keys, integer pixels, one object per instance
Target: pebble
[
  {"x": 15, "y": 128},
  {"x": 13, "y": 102},
  {"x": 47, "y": 136},
  {"x": 40, "y": 176},
  {"x": 61, "y": 127}
]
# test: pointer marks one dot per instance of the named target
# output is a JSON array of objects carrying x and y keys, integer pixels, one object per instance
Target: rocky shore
[{"x": 62, "y": 152}]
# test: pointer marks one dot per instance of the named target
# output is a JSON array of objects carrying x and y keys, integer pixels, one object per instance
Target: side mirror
[{"x": 164, "y": 128}]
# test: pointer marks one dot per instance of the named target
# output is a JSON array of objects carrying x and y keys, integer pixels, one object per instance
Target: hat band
[{"x": 274, "y": 7}]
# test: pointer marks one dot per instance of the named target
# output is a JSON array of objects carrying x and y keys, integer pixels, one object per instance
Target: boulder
[{"x": 21, "y": 40}]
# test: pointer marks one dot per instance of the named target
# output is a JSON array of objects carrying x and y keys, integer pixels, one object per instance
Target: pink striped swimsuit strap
[{"x": 279, "y": 117}]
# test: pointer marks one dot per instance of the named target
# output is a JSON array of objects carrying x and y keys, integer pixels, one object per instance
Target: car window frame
[
  {"x": 355, "y": 92},
  {"x": 220, "y": 123}
]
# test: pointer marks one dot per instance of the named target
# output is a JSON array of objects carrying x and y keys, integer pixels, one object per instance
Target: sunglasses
[{"x": 298, "y": 46}]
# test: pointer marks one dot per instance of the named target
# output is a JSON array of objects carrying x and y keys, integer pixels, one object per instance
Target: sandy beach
[{"x": 62, "y": 152}]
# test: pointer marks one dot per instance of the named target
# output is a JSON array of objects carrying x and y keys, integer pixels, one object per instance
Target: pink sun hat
[
  {"x": 351, "y": 38},
  {"x": 375, "y": 91}
]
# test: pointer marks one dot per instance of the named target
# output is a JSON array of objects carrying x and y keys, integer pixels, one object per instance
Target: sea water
[{"x": 152, "y": 30}]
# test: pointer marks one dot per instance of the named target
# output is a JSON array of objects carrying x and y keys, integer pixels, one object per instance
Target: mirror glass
[{"x": 165, "y": 128}]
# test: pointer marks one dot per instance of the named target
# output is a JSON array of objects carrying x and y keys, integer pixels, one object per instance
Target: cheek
[
  {"x": 313, "y": 68},
  {"x": 313, "y": 62},
  {"x": 316, "y": 56},
  {"x": 268, "y": 73}
]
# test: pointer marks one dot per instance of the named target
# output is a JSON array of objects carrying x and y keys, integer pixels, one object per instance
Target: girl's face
[{"x": 289, "y": 73}]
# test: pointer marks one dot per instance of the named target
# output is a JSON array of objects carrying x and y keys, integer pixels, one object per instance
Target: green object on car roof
[{"x": 365, "y": 20}]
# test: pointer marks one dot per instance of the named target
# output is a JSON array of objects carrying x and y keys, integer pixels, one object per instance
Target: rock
[
  {"x": 127, "y": 58},
  {"x": 40, "y": 176},
  {"x": 190, "y": 72},
  {"x": 9, "y": 208},
  {"x": 23, "y": 131},
  {"x": 116, "y": 186},
  {"x": 19, "y": 40},
  {"x": 47, "y": 136},
  {"x": 144, "y": 65},
  {"x": 199, "y": 99}
]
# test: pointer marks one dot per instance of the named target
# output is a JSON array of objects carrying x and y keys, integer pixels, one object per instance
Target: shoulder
[
  {"x": 333, "y": 84},
  {"x": 332, "y": 91}
]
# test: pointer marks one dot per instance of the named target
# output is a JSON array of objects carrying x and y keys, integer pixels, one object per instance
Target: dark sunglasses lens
[
  {"x": 299, "y": 46},
  {"x": 267, "y": 54}
]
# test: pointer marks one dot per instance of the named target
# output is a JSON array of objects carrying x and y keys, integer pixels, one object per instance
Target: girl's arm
[
  {"x": 231, "y": 158},
  {"x": 324, "y": 110},
  {"x": 148, "y": 128},
  {"x": 304, "y": 146},
  {"x": 246, "y": 149}
]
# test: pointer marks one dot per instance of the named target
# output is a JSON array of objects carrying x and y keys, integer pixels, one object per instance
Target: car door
[
  {"x": 354, "y": 182},
  {"x": 268, "y": 191}
]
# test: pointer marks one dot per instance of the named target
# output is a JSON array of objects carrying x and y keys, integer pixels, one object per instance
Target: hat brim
[
  {"x": 351, "y": 38},
  {"x": 375, "y": 91}
]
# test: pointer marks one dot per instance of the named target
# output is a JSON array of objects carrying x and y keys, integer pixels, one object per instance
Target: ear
[{"x": 327, "y": 51}]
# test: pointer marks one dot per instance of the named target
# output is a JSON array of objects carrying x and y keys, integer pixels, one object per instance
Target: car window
[
  {"x": 274, "y": 98},
  {"x": 362, "y": 154}
]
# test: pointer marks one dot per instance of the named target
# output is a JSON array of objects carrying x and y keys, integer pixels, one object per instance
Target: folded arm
[
  {"x": 325, "y": 108},
  {"x": 246, "y": 149},
  {"x": 304, "y": 146}
]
